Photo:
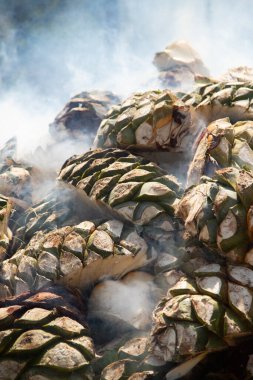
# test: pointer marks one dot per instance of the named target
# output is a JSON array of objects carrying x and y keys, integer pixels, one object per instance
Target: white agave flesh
[
  {"x": 69, "y": 263},
  {"x": 210, "y": 284},
  {"x": 113, "y": 228},
  {"x": 30, "y": 340},
  {"x": 227, "y": 228},
  {"x": 140, "y": 243},
  {"x": 231, "y": 326},
  {"x": 183, "y": 285},
  {"x": 113, "y": 266},
  {"x": 204, "y": 234},
  {"x": 191, "y": 206},
  {"x": 205, "y": 308},
  {"x": 213, "y": 111},
  {"x": 134, "y": 347},
  {"x": 241, "y": 274},
  {"x": 224, "y": 148},
  {"x": 20, "y": 286},
  {"x": 210, "y": 268},
  {"x": 222, "y": 195},
  {"x": 63, "y": 356},
  {"x": 168, "y": 341},
  {"x": 149, "y": 213},
  {"x": 167, "y": 226},
  {"x": 163, "y": 134},
  {"x": 144, "y": 134},
  {"x": 243, "y": 154},
  {"x": 172, "y": 277},
  {"x": 166, "y": 261},
  {"x": 74, "y": 242},
  {"x": 127, "y": 210},
  {"x": 186, "y": 338},
  {"x": 240, "y": 298}
]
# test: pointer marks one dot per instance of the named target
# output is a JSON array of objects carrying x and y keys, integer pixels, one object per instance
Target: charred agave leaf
[
  {"x": 44, "y": 335},
  {"x": 119, "y": 370},
  {"x": 127, "y": 362},
  {"x": 76, "y": 256},
  {"x": 238, "y": 74},
  {"x": 82, "y": 115},
  {"x": 130, "y": 345},
  {"x": 5, "y": 232},
  {"x": 133, "y": 187},
  {"x": 153, "y": 120},
  {"x": 215, "y": 100},
  {"x": 209, "y": 311},
  {"x": 61, "y": 207},
  {"x": 219, "y": 213},
  {"x": 223, "y": 145}
]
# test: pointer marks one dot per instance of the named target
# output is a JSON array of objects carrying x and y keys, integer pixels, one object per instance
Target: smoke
[
  {"x": 132, "y": 299},
  {"x": 51, "y": 50}
]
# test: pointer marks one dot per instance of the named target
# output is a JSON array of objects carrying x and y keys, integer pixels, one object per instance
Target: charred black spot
[
  {"x": 178, "y": 116},
  {"x": 173, "y": 142}
]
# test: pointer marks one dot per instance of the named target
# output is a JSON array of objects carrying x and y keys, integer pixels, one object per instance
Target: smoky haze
[{"x": 53, "y": 49}]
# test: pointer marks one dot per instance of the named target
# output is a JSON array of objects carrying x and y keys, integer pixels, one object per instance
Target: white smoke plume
[
  {"x": 131, "y": 299},
  {"x": 51, "y": 50}
]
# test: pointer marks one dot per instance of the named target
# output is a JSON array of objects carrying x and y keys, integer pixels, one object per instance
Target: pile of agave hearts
[{"x": 159, "y": 210}]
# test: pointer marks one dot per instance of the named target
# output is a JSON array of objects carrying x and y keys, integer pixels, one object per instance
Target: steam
[
  {"x": 50, "y": 51},
  {"x": 132, "y": 299}
]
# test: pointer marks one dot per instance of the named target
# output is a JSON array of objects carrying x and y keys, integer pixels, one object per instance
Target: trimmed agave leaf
[
  {"x": 216, "y": 100},
  {"x": 71, "y": 361},
  {"x": 213, "y": 151},
  {"x": 222, "y": 145},
  {"x": 218, "y": 213},
  {"x": 77, "y": 256},
  {"x": 130, "y": 361},
  {"x": 35, "y": 316},
  {"x": 135, "y": 349},
  {"x": 153, "y": 120},
  {"x": 11, "y": 368},
  {"x": 131, "y": 186},
  {"x": 31, "y": 341},
  {"x": 119, "y": 370},
  {"x": 204, "y": 318},
  {"x": 27, "y": 343},
  {"x": 242, "y": 154},
  {"x": 144, "y": 375},
  {"x": 63, "y": 206},
  {"x": 82, "y": 115}
]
